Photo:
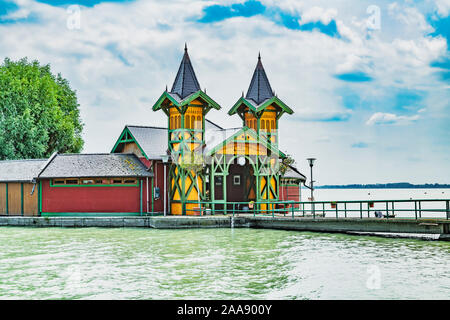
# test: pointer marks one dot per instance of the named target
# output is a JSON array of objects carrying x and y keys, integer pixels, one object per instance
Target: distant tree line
[{"x": 394, "y": 185}]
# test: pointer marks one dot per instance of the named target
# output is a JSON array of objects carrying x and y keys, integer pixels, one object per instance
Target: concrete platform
[{"x": 429, "y": 229}]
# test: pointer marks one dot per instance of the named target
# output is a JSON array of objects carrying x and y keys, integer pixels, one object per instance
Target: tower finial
[
  {"x": 185, "y": 47},
  {"x": 259, "y": 55},
  {"x": 166, "y": 87}
]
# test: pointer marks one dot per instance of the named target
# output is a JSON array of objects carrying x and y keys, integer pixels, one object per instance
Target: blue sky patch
[
  {"x": 443, "y": 64},
  {"x": 328, "y": 29},
  {"x": 360, "y": 145},
  {"x": 407, "y": 99},
  {"x": 112, "y": 47},
  {"x": 7, "y": 7},
  {"x": 441, "y": 28},
  {"x": 356, "y": 76},
  {"x": 86, "y": 3},
  {"x": 218, "y": 12}
]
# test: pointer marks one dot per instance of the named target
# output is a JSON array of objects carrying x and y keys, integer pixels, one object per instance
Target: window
[
  {"x": 69, "y": 182},
  {"x": 199, "y": 122},
  {"x": 178, "y": 122},
  {"x": 188, "y": 122},
  {"x": 273, "y": 125},
  {"x": 237, "y": 180},
  {"x": 193, "y": 122},
  {"x": 263, "y": 125},
  {"x": 218, "y": 181}
]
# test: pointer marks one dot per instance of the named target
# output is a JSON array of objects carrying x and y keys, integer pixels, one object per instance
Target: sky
[{"x": 369, "y": 83}]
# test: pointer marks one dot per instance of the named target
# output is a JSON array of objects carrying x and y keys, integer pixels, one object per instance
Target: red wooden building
[{"x": 143, "y": 175}]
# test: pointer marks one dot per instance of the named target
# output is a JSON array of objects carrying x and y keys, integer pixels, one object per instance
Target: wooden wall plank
[
  {"x": 30, "y": 202},
  {"x": 14, "y": 199},
  {"x": 2, "y": 198}
]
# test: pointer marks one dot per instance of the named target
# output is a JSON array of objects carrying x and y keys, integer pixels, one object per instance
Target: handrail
[{"x": 339, "y": 208}]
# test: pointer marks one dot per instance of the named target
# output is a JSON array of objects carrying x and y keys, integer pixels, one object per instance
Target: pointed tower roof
[
  {"x": 185, "y": 82},
  {"x": 259, "y": 95},
  {"x": 260, "y": 88},
  {"x": 185, "y": 89}
]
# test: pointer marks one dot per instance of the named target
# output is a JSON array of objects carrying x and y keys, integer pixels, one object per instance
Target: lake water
[{"x": 128, "y": 263}]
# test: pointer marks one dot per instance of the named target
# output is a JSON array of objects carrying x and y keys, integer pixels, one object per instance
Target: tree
[
  {"x": 39, "y": 112},
  {"x": 285, "y": 165}
]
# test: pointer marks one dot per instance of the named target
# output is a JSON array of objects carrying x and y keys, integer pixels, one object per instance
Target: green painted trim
[
  {"x": 118, "y": 140},
  {"x": 7, "y": 205},
  {"x": 140, "y": 196},
  {"x": 90, "y": 185},
  {"x": 199, "y": 94},
  {"x": 261, "y": 107},
  {"x": 133, "y": 139},
  {"x": 21, "y": 198},
  {"x": 89, "y": 214},
  {"x": 40, "y": 198},
  {"x": 152, "y": 192}
]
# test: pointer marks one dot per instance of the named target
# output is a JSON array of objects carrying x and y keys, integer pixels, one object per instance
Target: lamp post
[
  {"x": 311, "y": 163},
  {"x": 165, "y": 159}
]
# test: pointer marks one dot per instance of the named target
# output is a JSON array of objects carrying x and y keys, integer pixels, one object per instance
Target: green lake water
[{"x": 129, "y": 263}]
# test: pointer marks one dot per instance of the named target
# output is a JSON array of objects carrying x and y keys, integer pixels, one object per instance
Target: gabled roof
[
  {"x": 231, "y": 134},
  {"x": 176, "y": 101},
  {"x": 94, "y": 165},
  {"x": 258, "y": 108},
  {"x": 20, "y": 170},
  {"x": 151, "y": 140},
  {"x": 185, "y": 82},
  {"x": 294, "y": 173},
  {"x": 259, "y": 89}
]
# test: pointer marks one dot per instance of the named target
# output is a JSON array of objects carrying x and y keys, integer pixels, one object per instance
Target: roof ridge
[
  {"x": 213, "y": 123},
  {"x": 94, "y": 154},
  {"x": 23, "y": 160},
  {"x": 142, "y": 126}
]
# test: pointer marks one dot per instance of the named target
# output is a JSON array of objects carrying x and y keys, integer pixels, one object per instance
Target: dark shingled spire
[
  {"x": 185, "y": 82},
  {"x": 259, "y": 89}
]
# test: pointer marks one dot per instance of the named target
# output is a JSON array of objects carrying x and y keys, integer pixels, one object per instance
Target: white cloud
[
  {"x": 390, "y": 118},
  {"x": 121, "y": 60},
  {"x": 318, "y": 14},
  {"x": 443, "y": 7}
]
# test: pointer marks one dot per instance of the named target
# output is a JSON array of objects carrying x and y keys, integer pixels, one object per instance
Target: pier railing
[{"x": 360, "y": 209}]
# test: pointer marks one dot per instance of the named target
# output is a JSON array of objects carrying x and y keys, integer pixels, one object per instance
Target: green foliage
[
  {"x": 285, "y": 163},
  {"x": 39, "y": 112},
  {"x": 192, "y": 161}
]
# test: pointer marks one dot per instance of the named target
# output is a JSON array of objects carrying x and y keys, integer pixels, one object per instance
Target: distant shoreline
[{"x": 401, "y": 185}]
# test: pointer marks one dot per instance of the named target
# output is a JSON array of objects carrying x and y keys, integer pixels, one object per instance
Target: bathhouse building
[{"x": 182, "y": 168}]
